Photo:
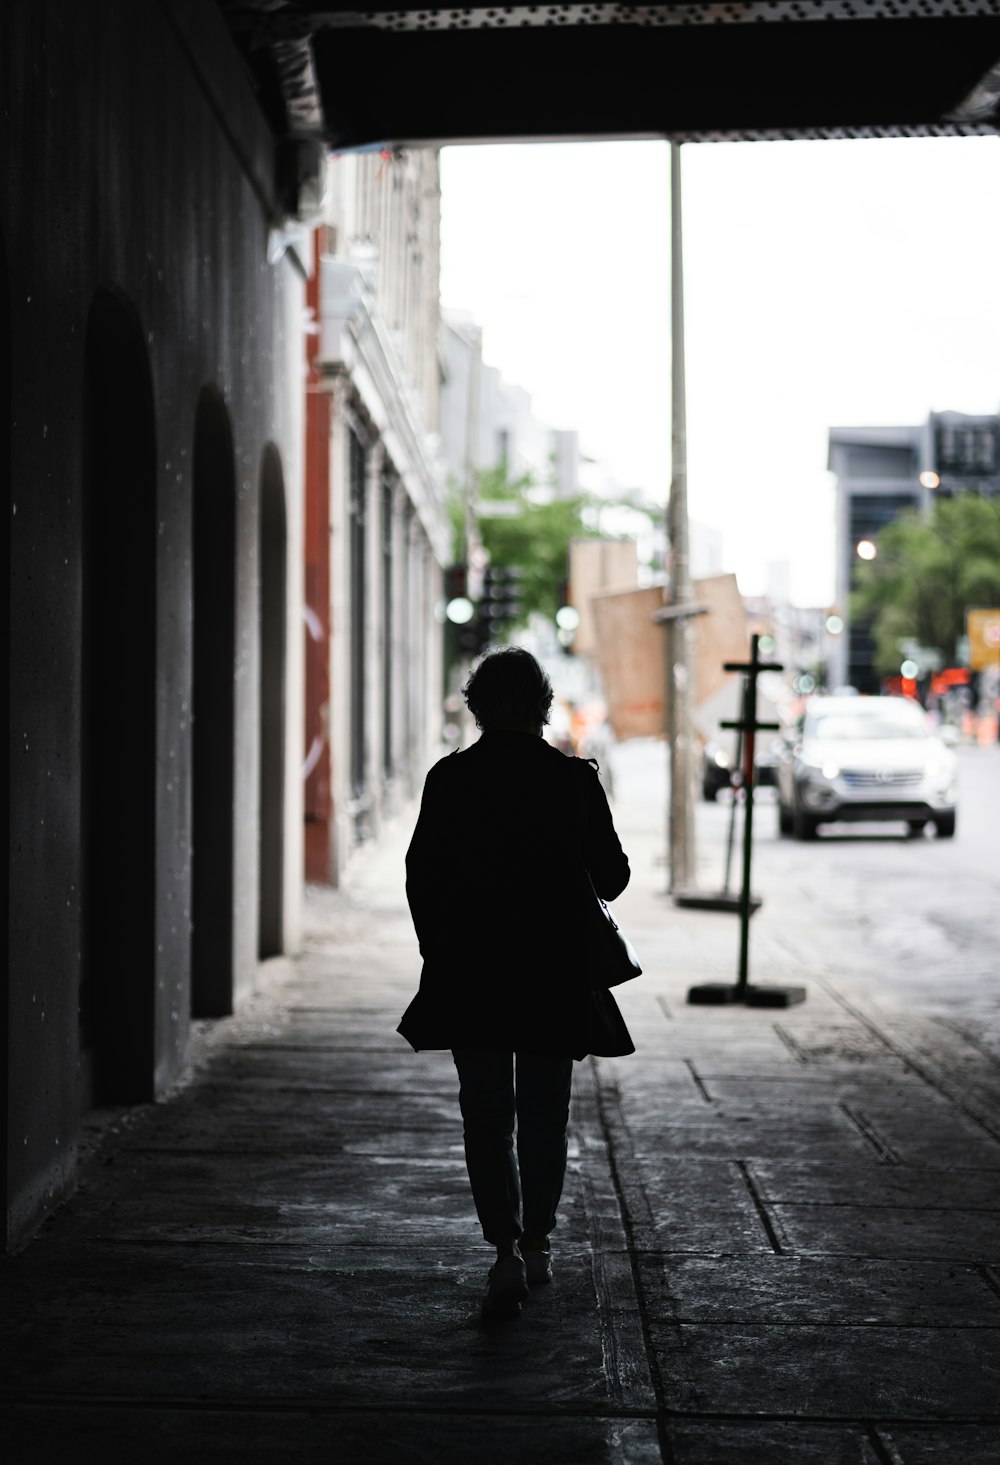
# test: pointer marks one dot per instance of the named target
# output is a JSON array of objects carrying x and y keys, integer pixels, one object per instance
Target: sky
[{"x": 834, "y": 283}]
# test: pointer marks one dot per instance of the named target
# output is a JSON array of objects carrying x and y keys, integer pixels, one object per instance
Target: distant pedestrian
[{"x": 496, "y": 878}]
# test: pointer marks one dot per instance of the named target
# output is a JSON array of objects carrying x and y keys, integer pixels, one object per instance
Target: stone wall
[{"x": 136, "y": 218}]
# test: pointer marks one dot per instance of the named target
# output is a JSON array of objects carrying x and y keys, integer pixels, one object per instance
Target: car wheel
[
  {"x": 945, "y": 825},
  {"x": 804, "y": 826},
  {"x": 784, "y": 820},
  {"x": 916, "y": 826}
]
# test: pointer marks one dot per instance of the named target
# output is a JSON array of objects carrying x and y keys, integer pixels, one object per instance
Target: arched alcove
[
  {"x": 118, "y": 979},
  {"x": 272, "y": 550},
  {"x": 214, "y": 574}
]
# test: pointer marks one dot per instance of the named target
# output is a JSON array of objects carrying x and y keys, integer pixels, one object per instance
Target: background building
[
  {"x": 376, "y": 529},
  {"x": 487, "y": 421},
  {"x": 879, "y": 471}
]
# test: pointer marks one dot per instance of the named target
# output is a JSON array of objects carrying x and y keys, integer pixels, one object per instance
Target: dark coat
[{"x": 496, "y": 879}]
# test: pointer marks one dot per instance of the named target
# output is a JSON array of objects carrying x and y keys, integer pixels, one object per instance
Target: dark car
[{"x": 718, "y": 766}]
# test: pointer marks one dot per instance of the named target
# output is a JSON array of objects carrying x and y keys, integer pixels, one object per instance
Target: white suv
[{"x": 867, "y": 758}]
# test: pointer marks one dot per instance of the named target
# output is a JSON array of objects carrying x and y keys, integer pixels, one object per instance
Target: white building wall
[
  {"x": 379, "y": 343},
  {"x": 485, "y": 420}
]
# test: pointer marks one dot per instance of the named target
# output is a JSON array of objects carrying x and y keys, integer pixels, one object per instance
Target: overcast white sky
[{"x": 826, "y": 283}]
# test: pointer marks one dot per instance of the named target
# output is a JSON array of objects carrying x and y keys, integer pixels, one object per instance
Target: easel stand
[
  {"x": 719, "y": 993},
  {"x": 724, "y": 899}
]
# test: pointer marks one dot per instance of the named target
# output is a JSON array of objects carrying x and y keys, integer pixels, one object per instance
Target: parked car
[
  {"x": 866, "y": 758},
  {"x": 718, "y": 765}
]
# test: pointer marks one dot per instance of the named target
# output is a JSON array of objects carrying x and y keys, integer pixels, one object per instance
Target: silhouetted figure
[{"x": 496, "y": 878}]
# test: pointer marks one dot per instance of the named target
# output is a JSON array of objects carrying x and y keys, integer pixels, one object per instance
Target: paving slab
[
  {"x": 348, "y": 1030},
  {"x": 821, "y": 1291},
  {"x": 313, "y": 1069},
  {"x": 243, "y": 1117},
  {"x": 342, "y": 1325},
  {"x": 832, "y": 1041},
  {"x": 811, "y": 1182},
  {"x": 832, "y": 1372},
  {"x": 830, "y": 1084},
  {"x": 388, "y": 1436},
  {"x": 720, "y": 1442},
  {"x": 685, "y": 1204},
  {"x": 361, "y": 1199},
  {"x": 964, "y": 1444},
  {"x": 833, "y": 1137},
  {"x": 194, "y": 1196},
  {"x": 859, "y": 1231}
]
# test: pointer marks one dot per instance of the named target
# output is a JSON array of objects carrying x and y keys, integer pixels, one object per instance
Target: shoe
[
  {"x": 538, "y": 1265},
  {"x": 506, "y": 1287}
]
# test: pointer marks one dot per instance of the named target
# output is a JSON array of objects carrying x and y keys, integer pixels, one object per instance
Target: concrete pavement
[{"x": 780, "y": 1240}]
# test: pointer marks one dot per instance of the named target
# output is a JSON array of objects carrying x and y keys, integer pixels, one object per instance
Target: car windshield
[{"x": 854, "y": 726}]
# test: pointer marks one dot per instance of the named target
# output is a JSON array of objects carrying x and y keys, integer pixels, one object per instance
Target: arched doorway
[
  {"x": 214, "y": 573},
  {"x": 117, "y": 994},
  {"x": 272, "y": 551}
]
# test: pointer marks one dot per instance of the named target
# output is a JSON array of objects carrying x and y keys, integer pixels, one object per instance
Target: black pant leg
[
  {"x": 486, "y": 1097},
  {"x": 543, "y": 1094}
]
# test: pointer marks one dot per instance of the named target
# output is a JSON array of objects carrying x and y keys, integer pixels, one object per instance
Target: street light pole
[{"x": 680, "y": 819}]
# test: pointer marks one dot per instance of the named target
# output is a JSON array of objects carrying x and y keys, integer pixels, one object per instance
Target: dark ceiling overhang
[{"x": 692, "y": 72}]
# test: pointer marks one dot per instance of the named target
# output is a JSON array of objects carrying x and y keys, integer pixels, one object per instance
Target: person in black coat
[{"x": 497, "y": 882}]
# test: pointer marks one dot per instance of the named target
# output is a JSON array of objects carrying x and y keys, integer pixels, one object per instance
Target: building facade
[
  {"x": 377, "y": 535},
  {"x": 488, "y": 422},
  {"x": 153, "y": 452},
  {"x": 878, "y": 472}
]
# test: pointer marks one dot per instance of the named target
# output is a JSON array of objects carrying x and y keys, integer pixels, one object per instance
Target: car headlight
[
  {"x": 940, "y": 774},
  {"x": 817, "y": 784},
  {"x": 942, "y": 780},
  {"x": 826, "y": 771}
]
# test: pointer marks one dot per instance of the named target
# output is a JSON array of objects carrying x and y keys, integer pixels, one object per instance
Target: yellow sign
[{"x": 984, "y": 638}]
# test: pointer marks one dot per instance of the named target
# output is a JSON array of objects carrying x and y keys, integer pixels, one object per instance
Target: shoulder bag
[{"x": 613, "y": 959}]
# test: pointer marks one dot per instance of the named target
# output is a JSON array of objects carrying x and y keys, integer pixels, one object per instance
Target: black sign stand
[
  {"x": 724, "y": 899},
  {"x": 718, "y": 993}
]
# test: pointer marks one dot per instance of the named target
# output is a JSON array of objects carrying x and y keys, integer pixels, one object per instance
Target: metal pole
[
  {"x": 749, "y": 733},
  {"x": 732, "y": 807},
  {"x": 680, "y": 821}
]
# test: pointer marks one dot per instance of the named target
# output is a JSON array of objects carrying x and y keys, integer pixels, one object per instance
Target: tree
[
  {"x": 535, "y": 540},
  {"x": 927, "y": 572}
]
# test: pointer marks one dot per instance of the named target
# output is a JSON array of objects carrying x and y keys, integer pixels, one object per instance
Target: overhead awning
[{"x": 689, "y": 71}]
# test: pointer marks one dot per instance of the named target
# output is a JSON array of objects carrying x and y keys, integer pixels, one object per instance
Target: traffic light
[
  {"x": 500, "y": 603},
  {"x": 460, "y": 612},
  {"x": 478, "y": 623}
]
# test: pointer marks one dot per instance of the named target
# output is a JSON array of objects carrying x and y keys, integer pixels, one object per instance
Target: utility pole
[{"x": 680, "y": 819}]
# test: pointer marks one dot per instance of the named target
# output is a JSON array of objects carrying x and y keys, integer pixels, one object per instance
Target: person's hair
[{"x": 508, "y": 688}]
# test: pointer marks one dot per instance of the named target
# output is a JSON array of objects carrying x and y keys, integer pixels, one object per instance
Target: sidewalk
[{"x": 779, "y": 1243}]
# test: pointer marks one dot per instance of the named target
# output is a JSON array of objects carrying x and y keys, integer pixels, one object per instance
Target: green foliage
[
  {"x": 536, "y": 541},
  {"x": 927, "y": 574}
]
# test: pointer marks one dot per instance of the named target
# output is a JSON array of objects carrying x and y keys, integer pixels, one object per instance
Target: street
[{"x": 917, "y": 919}]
